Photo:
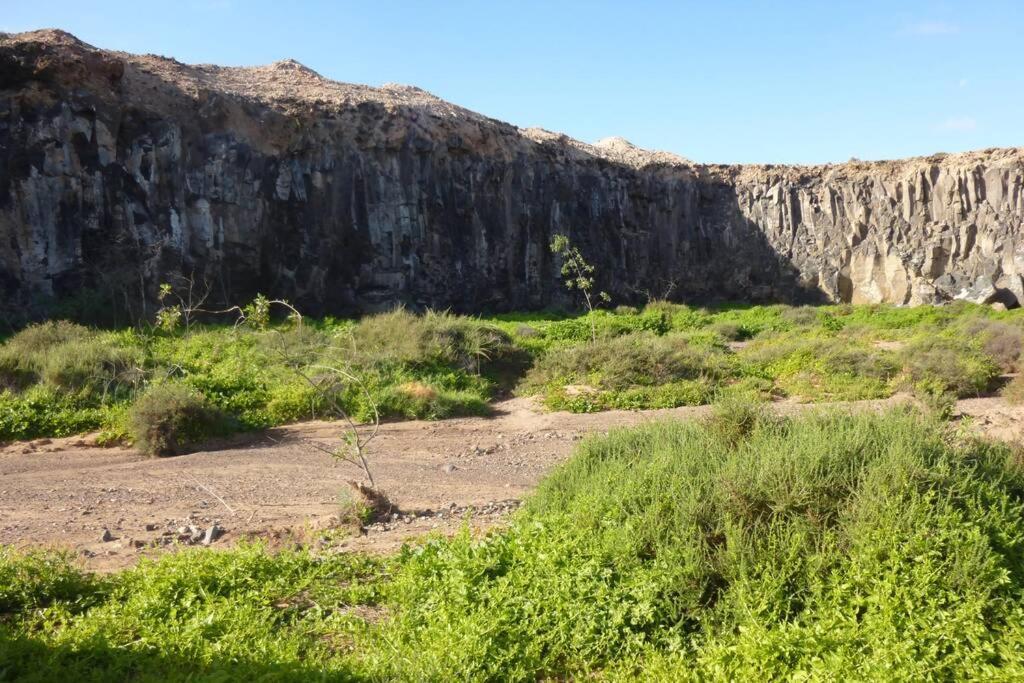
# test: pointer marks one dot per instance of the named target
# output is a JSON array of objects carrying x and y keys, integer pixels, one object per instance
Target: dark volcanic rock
[{"x": 119, "y": 172}]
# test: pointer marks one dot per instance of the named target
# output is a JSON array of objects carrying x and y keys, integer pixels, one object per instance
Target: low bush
[
  {"x": 729, "y": 331},
  {"x": 42, "y": 411},
  {"x": 734, "y": 417},
  {"x": 606, "y": 325},
  {"x": 95, "y": 366},
  {"x": 43, "y": 336},
  {"x": 416, "y": 400},
  {"x": 585, "y": 399},
  {"x": 828, "y": 547},
  {"x": 946, "y": 364},
  {"x": 801, "y": 316},
  {"x": 71, "y": 358},
  {"x": 819, "y": 366},
  {"x": 679, "y": 316},
  {"x": 888, "y": 317},
  {"x": 1001, "y": 341},
  {"x": 171, "y": 418},
  {"x": 60, "y": 378},
  {"x": 1013, "y": 391},
  {"x": 37, "y": 579},
  {"x": 753, "y": 321},
  {"x": 625, "y": 362},
  {"x": 434, "y": 338},
  {"x": 278, "y": 376}
]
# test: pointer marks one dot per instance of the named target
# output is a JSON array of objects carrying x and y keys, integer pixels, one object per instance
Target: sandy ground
[{"x": 112, "y": 506}]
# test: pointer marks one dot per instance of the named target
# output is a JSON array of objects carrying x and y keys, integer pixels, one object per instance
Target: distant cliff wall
[{"x": 119, "y": 172}]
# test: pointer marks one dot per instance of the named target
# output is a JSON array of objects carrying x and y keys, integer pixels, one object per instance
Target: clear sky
[{"x": 780, "y": 81}]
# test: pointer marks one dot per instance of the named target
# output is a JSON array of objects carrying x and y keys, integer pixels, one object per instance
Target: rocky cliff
[{"x": 119, "y": 172}]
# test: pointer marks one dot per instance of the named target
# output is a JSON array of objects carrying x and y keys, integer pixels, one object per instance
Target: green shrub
[
  {"x": 460, "y": 342},
  {"x": 687, "y": 392},
  {"x": 95, "y": 366},
  {"x": 729, "y": 331},
  {"x": 753, "y": 320},
  {"x": 42, "y": 336},
  {"x": 821, "y": 366},
  {"x": 935, "y": 400},
  {"x": 801, "y": 316},
  {"x": 71, "y": 358},
  {"x": 416, "y": 400},
  {"x": 60, "y": 378},
  {"x": 888, "y": 317},
  {"x": 680, "y": 316},
  {"x": 751, "y": 388},
  {"x": 829, "y": 547},
  {"x": 1013, "y": 392},
  {"x": 623, "y": 362},
  {"x": 170, "y": 418},
  {"x": 734, "y": 417},
  {"x": 42, "y": 411},
  {"x": 36, "y": 579},
  {"x": 606, "y": 325},
  {"x": 1001, "y": 341},
  {"x": 21, "y": 356},
  {"x": 952, "y": 365}
]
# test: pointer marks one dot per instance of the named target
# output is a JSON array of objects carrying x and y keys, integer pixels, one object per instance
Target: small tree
[
  {"x": 578, "y": 274},
  {"x": 189, "y": 303},
  {"x": 356, "y": 437}
]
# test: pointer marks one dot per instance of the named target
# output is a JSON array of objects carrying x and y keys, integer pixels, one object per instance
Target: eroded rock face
[{"x": 119, "y": 172}]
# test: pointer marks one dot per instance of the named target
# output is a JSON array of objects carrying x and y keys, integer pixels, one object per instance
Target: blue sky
[{"x": 785, "y": 82}]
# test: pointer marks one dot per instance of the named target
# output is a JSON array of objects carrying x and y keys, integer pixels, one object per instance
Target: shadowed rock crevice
[{"x": 119, "y": 172}]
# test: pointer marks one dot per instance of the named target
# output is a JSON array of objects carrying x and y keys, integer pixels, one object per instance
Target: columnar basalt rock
[{"x": 119, "y": 172}]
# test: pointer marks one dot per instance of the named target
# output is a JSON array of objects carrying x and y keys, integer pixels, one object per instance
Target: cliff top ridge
[{"x": 291, "y": 87}]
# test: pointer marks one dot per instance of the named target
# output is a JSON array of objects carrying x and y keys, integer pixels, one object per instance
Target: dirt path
[{"x": 63, "y": 493}]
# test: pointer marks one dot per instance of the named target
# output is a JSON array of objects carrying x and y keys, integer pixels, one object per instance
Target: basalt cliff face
[{"x": 119, "y": 172}]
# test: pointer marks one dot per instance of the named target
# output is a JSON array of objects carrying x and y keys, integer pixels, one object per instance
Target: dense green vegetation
[
  {"x": 746, "y": 547},
  {"x": 59, "y": 378}
]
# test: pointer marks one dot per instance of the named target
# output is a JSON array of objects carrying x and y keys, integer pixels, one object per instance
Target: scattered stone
[{"x": 212, "y": 534}]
